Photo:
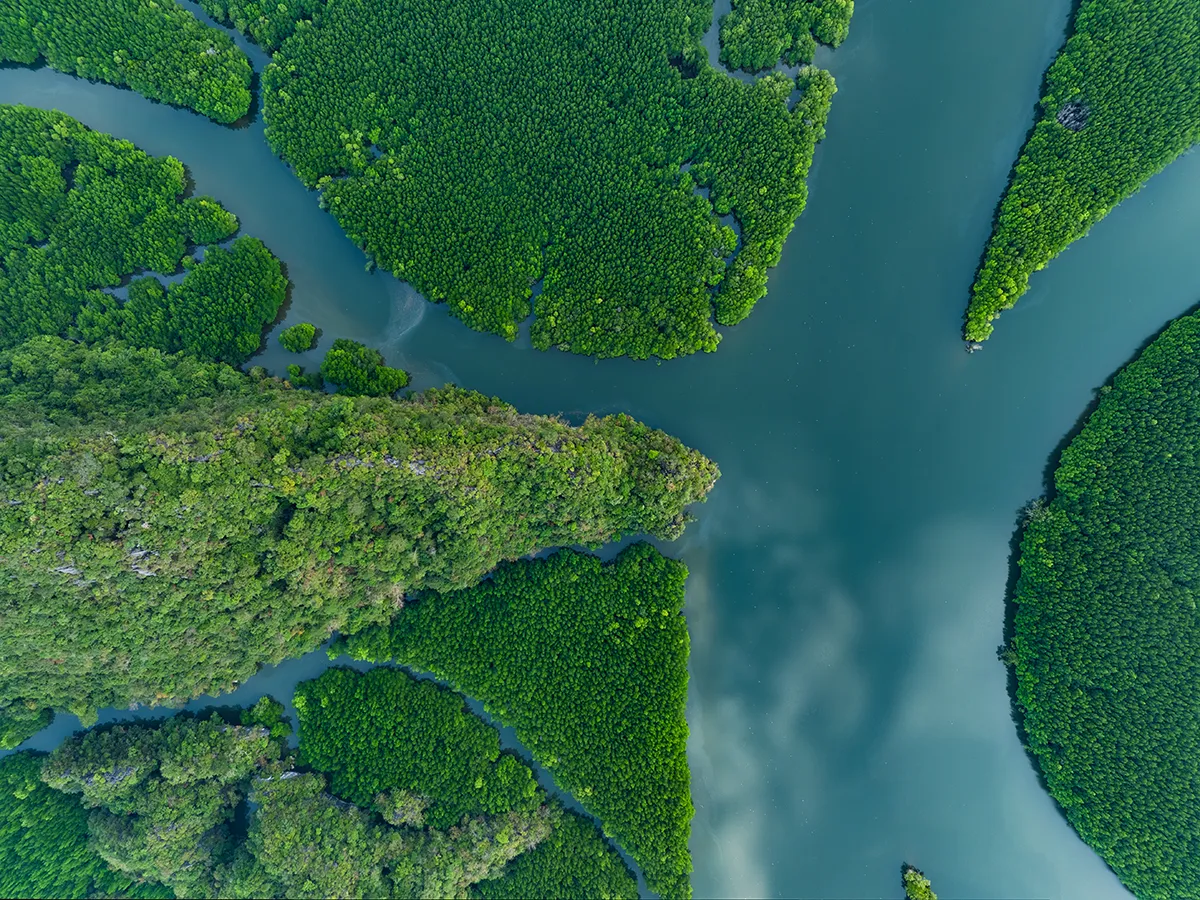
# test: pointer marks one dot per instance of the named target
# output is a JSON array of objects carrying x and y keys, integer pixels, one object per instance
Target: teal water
[{"x": 849, "y": 571}]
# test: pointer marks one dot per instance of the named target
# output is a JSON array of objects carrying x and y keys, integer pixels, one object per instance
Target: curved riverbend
[{"x": 848, "y": 573}]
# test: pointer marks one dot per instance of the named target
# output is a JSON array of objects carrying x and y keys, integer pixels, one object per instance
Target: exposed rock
[{"x": 1073, "y": 115}]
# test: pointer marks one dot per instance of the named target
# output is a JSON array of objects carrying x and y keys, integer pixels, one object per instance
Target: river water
[{"x": 848, "y": 573}]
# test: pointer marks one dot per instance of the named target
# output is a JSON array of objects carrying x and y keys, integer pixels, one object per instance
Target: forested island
[
  {"x": 1107, "y": 636},
  {"x": 397, "y": 790},
  {"x": 1120, "y": 103},
  {"x": 169, "y": 524},
  {"x": 568, "y": 144}
]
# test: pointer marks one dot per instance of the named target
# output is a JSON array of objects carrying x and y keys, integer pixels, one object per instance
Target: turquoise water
[{"x": 849, "y": 571}]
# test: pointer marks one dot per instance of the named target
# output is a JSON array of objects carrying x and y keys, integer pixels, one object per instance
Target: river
[{"x": 848, "y": 573}]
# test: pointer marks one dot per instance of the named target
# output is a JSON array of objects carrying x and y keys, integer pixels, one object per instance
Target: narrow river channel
[{"x": 848, "y": 574}]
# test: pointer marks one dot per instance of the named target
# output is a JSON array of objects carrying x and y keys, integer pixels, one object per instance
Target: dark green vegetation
[
  {"x": 1107, "y": 634},
  {"x": 81, "y": 211},
  {"x": 165, "y": 797},
  {"x": 299, "y": 378},
  {"x": 574, "y": 863},
  {"x": 266, "y": 22},
  {"x": 757, "y": 34},
  {"x": 411, "y": 751},
  {"x": 167, "y": 805},
  {"x": 44, "y": 839},
  {"x": 1122, "y": 101},
  {"x": 299, "y": 337},
  {"x": 916, "y": 885},
  {"x": 385, "y": 731},
  {"x": 588, "y": 663},
  {"x": 157, "y": 48},
  {"x": 360, "y": 371},
  {"x": 474, "y": 150},
  {"x": 183, "y": 523},
  {"x": 217, "y": 312}
]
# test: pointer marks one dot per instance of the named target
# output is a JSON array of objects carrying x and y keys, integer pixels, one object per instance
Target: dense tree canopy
[
  {"x": 1122, "y": 101},
  {"x": 166, "y": 801},
  {"x": 44, "y": 839},
  {"x": 473, "y": 150},
  {"x": 1107, "y": 633},
  {"x": 359, "y": 370},
  {"x": 916, "y": 885},
  {"x": 267, "y": 22},
  {"x": 181, "y": 523},
  {"x": 588, "y": 663},
  {"x": 164, "y": 796},
  {"x": 574, "y": 863},
  {"x": 757, "y": 34},
  {"x": 298, "y": 337},
  {"x": 81, "y": 211},
  {"x": 385, "y": 731},
  {"x": 156, "y": 47}
]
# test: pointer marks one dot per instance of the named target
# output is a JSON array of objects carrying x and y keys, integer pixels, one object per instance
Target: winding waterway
[{"x": 848, "y": 577}]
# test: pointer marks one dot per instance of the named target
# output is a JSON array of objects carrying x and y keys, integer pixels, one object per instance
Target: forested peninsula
[
  {"x": 158, "y": 49},
  {"x": 1120, "y": 103},
  {"x": 184, "y": 524},
  {"x": 160, "y": 810},
  {"x": 588, "y": 663},
  {"x": 1107, "y": 635}
]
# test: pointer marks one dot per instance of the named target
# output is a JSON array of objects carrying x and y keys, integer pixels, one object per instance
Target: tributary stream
[{"x": 848, "y": 574}]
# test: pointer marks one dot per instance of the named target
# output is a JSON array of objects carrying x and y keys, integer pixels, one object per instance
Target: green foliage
[
  {"x": 267, "y": 22},
  {"x": 80, "y": 211},
  {"x": 312, "y": 381},
  {"x": 156, "y": 47},
  {"x": 164, "y": 795},
  {"x": 314, "y": 845},
  {"x": 1121, "y": 103},
  {"x": 917, "y": 886},
  {"x": 474, "y": 150},
  {"x": 44, "y": 839},
  {"x": 588, "y": 663},
  {"x": 185, "y": 523},
  {"x": 384, "y": 731},
  {"x": 1107, "y": 633},
  {"x": 18, "y": 723},
  {"x": 757, "y": 34},
  {"x": 299, "y": 337},
  {"x": 359, "y": 370},
  {"x": 267, "y": 713},
  {"x": 217, "y": 312},
  {"x": 574, "y": 863}
]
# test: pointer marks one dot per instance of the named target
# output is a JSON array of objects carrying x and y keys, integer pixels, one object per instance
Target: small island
[
  {"x": 159, "y": 49},
  {"x": 916, "y": 885}
]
